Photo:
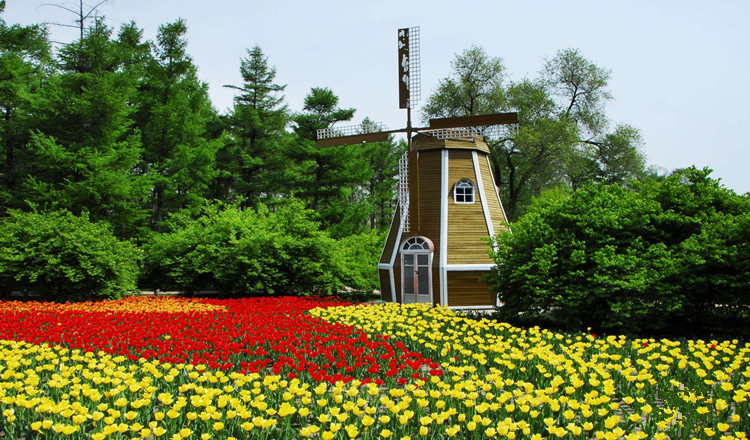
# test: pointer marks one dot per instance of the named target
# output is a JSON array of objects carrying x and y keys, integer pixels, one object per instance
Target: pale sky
[{"x": 679, "y": 68}]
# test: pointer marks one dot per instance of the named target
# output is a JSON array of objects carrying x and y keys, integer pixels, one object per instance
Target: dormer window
[{"x": 463, "y": 191}]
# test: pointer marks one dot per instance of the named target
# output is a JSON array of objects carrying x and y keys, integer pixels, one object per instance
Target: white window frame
[{"x": 464, "y": 185}]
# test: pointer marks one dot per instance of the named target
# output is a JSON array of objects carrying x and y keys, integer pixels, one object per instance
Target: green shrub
[
  {"x": 360, "y": 254},
  {"x": 241, "y": 250},
  {"x": 62, "y": 256},
  {"x": 669, "y": 255}
]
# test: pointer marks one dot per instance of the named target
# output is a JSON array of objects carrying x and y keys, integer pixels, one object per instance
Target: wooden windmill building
[{"x": 436, "y": 251}]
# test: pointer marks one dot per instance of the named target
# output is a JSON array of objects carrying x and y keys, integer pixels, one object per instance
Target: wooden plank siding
[
  {"x": 390, "y": 242},
  {"x": 429, "y": 196},
  {"x": 397, "y": 277},
  {"x": 493, "y": 199},
  {"x": 467, "y": 289},
  {"x": 466, "y": 229},
  {"x": 467, "y": 226},
  {"x": 430, "y": 165},
  {"x": 435, "y": 283},
  {"x": 385, "y": 285}
]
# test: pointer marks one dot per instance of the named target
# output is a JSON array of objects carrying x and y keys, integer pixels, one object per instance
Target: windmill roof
[{"x": 425, "y": 141}]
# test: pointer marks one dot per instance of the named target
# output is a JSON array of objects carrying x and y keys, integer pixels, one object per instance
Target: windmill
[{"x": 447, "y": 204}]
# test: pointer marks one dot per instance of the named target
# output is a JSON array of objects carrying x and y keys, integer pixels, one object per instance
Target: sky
[{"x": 679, "y": 68}]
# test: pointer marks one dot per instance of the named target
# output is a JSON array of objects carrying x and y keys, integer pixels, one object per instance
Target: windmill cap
[{"x": 430, "y": 141}]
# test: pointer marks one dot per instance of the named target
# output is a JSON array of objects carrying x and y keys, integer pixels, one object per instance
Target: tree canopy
[
  {"x": 120, "y": 131},
  {"x": 563, "y": 136},
  {"x": 669, "y": 254}
]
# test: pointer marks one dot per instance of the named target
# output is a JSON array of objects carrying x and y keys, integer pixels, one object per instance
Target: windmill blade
[
  {"x": 354, "y": 139},
  {"x": 409, "y": 68},
  {"x": 352, "y": 134},
  {"x": 475, "y": 121}
]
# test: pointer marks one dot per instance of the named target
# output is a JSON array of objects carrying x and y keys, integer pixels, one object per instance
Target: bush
[
  {"x": 668, "y": 256},
  {"x": 65, "y": 257},
  {"x": 236, "y": 250},
  {"x": 360, "y": 254}
]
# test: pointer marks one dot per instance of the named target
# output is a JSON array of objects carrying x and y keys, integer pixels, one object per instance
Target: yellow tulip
[
  {"x": 452, "y": 430},
  {"x": 721, "y": 405},
  {"x": 351, "y": 431}
]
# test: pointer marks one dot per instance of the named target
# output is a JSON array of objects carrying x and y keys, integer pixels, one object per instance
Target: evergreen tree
[
  {"x": 381, "y": 184},
  {"x": 83, "y": 151},
  {"x": 330, "y": 179},
  {"x": 24, "y": 65},
  {"x": 251, "y": 161},
  {"x": 173, "y": 113}
]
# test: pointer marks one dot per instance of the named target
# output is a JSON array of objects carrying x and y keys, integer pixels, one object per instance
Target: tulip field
[{"x": 289, "y": 368}]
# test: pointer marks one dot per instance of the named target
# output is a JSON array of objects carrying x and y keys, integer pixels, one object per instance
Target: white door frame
[{"x": 416, "y": 247}]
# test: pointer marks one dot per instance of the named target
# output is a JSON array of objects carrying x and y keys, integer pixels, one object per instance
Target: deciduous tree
[{"x": 562, "y": 135}]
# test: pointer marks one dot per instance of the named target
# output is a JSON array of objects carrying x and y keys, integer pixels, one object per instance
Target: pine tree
[
  {"x": 24, "y": 64},
  {"x": 173, "y": 115},
  {"x": 384, "y": 158},
  {"x": 82, "y": 154},
  {"x": 331, "y": 180},
  {"x": 251, "y": 161}
]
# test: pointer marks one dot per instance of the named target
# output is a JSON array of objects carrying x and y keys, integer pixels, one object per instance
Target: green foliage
[
  {"x": 83, "y": 151},
  {"x": 242, "y": 250},
  {"x": 330, "y": 180},
  {"x": 563, "y": 133},
  {"x": 359, "y": 255},
  {"x": 474, "y": 87},
  {"x": 252, "y": 160},
  {"x": 321, "y": 110},
  {"x": 24, "y": 61},
  {"x": 63, "y": 256},
  {"x": 378, "y": 189},
  {"x": 709, "y": 225},
  {"x": 670, "y": 255},
  {"x": 178, "y": 157}
]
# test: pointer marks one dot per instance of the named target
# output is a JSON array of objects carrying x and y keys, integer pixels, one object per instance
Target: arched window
[
  {"x": 417, "y": 244},
  {"x": 463, "y": 191}
]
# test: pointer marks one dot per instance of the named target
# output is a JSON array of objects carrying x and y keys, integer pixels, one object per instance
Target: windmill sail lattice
[
  {"x": 409, "y": 68},
  {"x": 403, "y": 190}
]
